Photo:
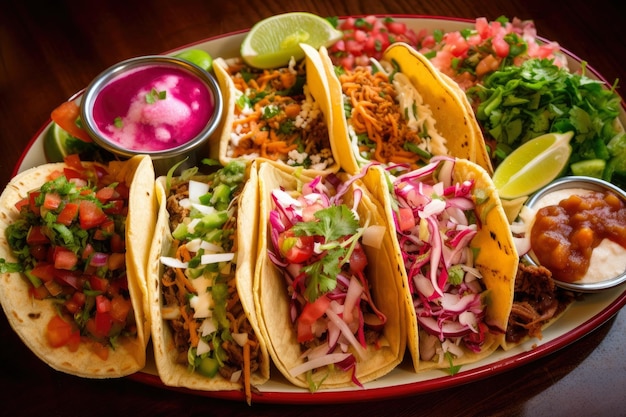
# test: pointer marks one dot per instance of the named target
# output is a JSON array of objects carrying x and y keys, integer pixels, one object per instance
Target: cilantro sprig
[{"x": 339, "y": 228}]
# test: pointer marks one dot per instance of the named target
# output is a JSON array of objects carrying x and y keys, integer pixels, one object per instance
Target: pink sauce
[{"x": 153, "y": 108}]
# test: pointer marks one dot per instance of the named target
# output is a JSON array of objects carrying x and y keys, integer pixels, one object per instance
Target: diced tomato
[
  {"x": 71, "y": 174},
  {"x": 69, "y": 278},
  {"x": 313, "y": 311},
  {"x": 75, "y": 303},
  {"x": 43, "y": 271},
  {"x": 396, "y": 28},
  {"x": 358, "y": 259},
  {"x": 68, "y": 214},
  {"x": 120, "y": 307},
  {"x": 115, "y": 207},
  {"x": 74, "y": 341},
  {"x": 90, "y": 214},
  {"x": 295, "y": 249},
  {"x": 52, "y": 201},
  {"x": 36, "y": 236},
  {"x": 104, "y": 194},
  {"x": 103, "y": 304},
  {"x": 304, "y": 331},
  {"x": 65, "y": 115},
  {"x": 406, "y": 220},
  {"x": 39, "y": 252},
  {"x": 64, "y": 258},
  {"x": 32, "y": 204},
  {"x": 500, "y": 46},
  {"x": 59, "y": 332},
  {"x": 103, "y": 323},
  {"x": 116, "y": 261},
  {"x": 22, "y": 203},
  {"x": 98, "y": 284},
  {"x": 39, "y": 293},
  {"x": 118, "y": 244}
]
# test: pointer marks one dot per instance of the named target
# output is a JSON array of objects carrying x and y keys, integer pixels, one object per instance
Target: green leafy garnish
[
  {"x": 153, "y": 96},
  {"x": 453, "y": 369},
  {"x": 332, "y": 224}
]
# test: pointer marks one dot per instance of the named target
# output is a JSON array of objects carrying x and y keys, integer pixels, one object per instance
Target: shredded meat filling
[{"x": 536, "y": 301}]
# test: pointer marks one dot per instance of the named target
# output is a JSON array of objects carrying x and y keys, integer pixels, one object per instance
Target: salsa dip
[
  {"x": 577, "y": 229},
  {"x": 158, "y": 105}
]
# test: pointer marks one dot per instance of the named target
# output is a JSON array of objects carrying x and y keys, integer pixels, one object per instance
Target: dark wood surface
[{"x": 51, "y": 50}]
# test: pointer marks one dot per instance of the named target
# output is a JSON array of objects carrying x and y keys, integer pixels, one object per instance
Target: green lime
[
  {"x": 273, "y": 41},
  {"x": 197, "y": 56},
  {"x": 533, "y": 165},
  {"x": 55, "y": 143}
]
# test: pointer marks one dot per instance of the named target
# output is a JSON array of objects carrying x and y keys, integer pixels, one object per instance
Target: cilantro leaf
[{"x": 333, "y": 223}]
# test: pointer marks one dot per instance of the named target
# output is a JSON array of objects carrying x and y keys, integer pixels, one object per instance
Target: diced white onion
[
  {"x": 373, "y": 236},
  {"x": 197, "y": 189},
  {"x": 207, "y": 327},
  {"x": 216, "y": 257},
  {"x": 173, "y": 262},
  {"x": 240, "y": 338},
  {"x": 234, "y": 377},
  {"x": 203, "y": 347},
  {"x": 318, "y": 362}
]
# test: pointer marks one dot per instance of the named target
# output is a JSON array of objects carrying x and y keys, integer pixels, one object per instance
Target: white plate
[{"x": 583, "y": 316}]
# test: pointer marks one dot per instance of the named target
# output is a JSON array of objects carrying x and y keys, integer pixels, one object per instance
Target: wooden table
[{"x": 49, "y": 52}]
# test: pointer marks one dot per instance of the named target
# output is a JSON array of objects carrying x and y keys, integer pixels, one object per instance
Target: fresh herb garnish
[
  {"x": 153, "y": 96},
  {"x": 333, "y": 223}
]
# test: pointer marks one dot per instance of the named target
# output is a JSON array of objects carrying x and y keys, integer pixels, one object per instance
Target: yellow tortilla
[
  {"x": 318, "y": 85},
  {"x": 173, "y": 373},
  {"x": 29, "y": 317},
  {"x": 454, "y": 119},
  {"x": 497, "y": 260},
  {"x": 272, "y": 304}
]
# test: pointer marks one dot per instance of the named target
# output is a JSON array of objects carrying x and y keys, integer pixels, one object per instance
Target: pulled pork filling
[
  {"x": 177, "y": 290},
  {"x": 537, "y": 300}
]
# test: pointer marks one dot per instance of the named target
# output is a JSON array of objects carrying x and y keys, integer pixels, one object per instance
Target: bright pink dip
[{"x": 164, "y": 123}]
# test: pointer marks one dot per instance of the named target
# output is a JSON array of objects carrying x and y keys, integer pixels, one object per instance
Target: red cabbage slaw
[
  {"x": 333, "y": 324},
  {"x": 435, "y": 223}
]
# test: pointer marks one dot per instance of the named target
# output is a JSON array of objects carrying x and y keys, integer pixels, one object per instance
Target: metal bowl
[
  {"x": 589, "y": 183},
  {"x": 192, "y": 150}
]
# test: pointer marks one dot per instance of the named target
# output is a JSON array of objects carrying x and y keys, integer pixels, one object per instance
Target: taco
[
  {"x": 459, "y": 259},
  {"x": 327, "y": 285},
  {"x": 204, "y": 329},
  {"x": 399, "y": 111},
  {"x": 281, "y": 114},
  {"x": 74, "y": 245}
]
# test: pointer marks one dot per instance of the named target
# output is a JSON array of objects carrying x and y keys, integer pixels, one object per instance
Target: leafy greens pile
[{"x": 517, "y": 103}]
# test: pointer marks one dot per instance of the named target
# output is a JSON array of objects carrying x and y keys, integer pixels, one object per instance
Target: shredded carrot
[
  {"x": 192, "y": 327},
  {"x": 376, "y": 114},
  {"x": 278, "y": 117},
  {"x": 246, "y": 372}
]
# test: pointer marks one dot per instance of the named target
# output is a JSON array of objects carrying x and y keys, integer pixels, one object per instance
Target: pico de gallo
[
  {"x": 317, "y": 242},
  {"x": 69, "y": 241},
  {"x": 435, "y": 222}
]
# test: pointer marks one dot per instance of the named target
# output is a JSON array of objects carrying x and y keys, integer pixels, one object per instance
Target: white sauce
[{"x": 608, "y": 259}]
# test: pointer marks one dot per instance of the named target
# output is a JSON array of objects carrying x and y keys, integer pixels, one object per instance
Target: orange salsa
[{"x": 563, "y": 236}]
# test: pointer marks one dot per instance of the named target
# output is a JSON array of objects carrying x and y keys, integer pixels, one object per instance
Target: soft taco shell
[
  {"x": 318, "y": 85},
  {"x": 497, "y": 259},
  {"x": 171, "y": 372},
  {"x": 29, "y": 317},
  {"x": 453, "y": 120},
  {"x": 270, "y": 294}
]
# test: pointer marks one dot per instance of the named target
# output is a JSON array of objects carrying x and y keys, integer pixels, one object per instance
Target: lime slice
[
  {"x": 273, "y": 41},
  {"x": 533, "y": 165},
  {"x": 55, "y": 143},
  {"x": 198, "y": 57}
]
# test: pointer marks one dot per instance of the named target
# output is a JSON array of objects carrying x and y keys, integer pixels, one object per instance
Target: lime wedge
[
  {"x": 533, "y": 165},
  {"x": 55, "y": 143},
  {"x": 273, "y": 41}
]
